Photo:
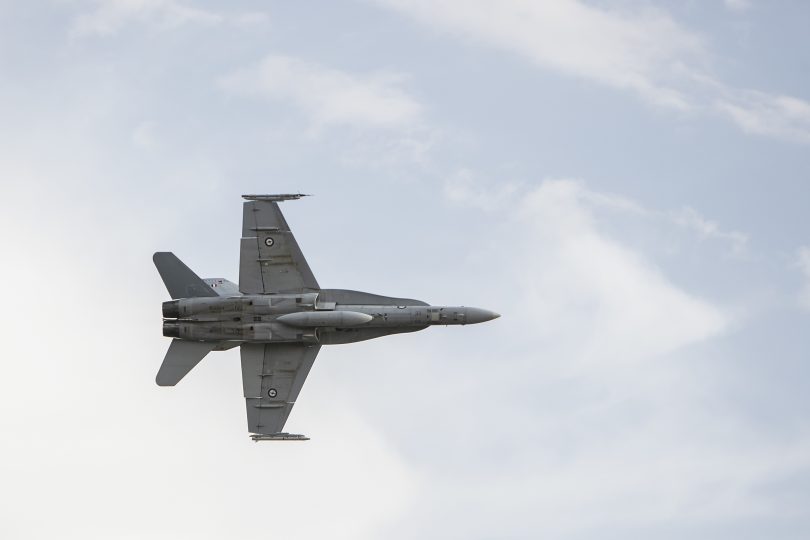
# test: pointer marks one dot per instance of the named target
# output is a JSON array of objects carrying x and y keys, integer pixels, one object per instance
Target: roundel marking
[
  {"x": 269, "y": 241},
  {"x": 272, "y": 392}
]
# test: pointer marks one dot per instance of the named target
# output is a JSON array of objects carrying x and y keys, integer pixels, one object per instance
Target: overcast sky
[{"x": 625, "y": 181}]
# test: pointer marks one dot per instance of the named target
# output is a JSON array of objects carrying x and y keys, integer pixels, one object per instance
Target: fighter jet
[{"x": 278, "y": 315}]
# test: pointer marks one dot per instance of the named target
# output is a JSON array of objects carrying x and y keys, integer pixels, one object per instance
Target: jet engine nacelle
[
  {"x": 192, "y": 307},
  {"x": 206, "y": 330}
]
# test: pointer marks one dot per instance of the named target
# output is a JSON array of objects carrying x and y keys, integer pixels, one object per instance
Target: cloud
[
  {"x": 600, "y": 411},
  {"x": 757, "y": 113},
  {"x": 143, "y": 135},
  {"x": 576, "y": 280},
  {"x": 737, "y": 5},
  {"x": 624, "y": 45},
  {"x": 329, "y": 96},
  {"x": 108, "y": 17},
  {"x": 708, "y": 229},
  {"x": 686, "y": 218},
  {"x": 250, "y": 18},
  {"x": 803, "y": 262},
  {"x": 638, "y": 51},
  {"x": 599, "y": 419},
  {"x": 584, "y": 282},
  {"x": 465, "y": 187}
]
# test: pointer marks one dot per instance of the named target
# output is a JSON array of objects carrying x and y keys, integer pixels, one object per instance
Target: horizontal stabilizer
[
  {"x": 180, "y": 281},
  {"x": 181, "y": 358}
]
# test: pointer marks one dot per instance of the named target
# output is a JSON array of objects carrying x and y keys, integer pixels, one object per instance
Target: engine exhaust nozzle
[
  {"x": 171, "y": 309},
  {"x": 171, "y": 329}
]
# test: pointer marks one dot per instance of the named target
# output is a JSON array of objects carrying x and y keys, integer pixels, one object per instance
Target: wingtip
[
  {"x": 161, "y": 382},
  {"x": 278, "y": 437},
  {"x": 275, "y": 197}
]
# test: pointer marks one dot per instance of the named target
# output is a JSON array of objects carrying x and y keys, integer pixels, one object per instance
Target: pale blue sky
[{"x": 625, "y": 181}]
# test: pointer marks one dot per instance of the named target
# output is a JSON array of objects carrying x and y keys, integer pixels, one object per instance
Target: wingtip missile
[
  {"x": 278, "y": 437},
  {"x": 277, "y": 197}
]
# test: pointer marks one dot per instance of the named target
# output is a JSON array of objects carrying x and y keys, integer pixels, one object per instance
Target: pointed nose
[{"x": 478, "y": 315}]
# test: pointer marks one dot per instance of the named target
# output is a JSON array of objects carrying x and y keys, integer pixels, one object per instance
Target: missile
[
  {"x": 333, "y": 319},
  {"x": 275, "y": 197},
  {"x": 278, "y": 437}
]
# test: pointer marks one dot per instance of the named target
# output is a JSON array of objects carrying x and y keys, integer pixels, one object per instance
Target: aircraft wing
[
  {"x": 272, "y": 377},
  {"x": 270, "y": 260}
]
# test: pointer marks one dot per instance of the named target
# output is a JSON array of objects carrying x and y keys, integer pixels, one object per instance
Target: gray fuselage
[{"x": 326, "y": 317}]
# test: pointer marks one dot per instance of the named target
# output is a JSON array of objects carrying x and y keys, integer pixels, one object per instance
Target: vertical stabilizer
[{"x": 180, "y": 281}]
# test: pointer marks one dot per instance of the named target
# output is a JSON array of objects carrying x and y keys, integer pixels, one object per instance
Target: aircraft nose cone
[{"x": 478, "y": 315}]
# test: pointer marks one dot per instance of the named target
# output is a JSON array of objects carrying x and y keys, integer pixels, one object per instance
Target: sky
[{"x": 625, "y": 181}]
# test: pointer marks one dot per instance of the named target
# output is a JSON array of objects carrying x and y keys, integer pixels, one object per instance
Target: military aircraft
[{"x": 278, "y": 315}]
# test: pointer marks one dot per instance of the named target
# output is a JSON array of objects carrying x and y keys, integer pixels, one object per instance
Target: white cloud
[
  {"x": 143, "y": 135},
  {"x": 625, "y": 45},
  {"x": 575, "y": 484},
  {"x": 687, "y": 218},
  {"x": 109, "y": 16},
  {"x": 329, "y": 96},
  {"x": 737, "y": 5},
  {"x": 638, "y": 50},
  {"x": 463, "y": 187},
  {"x": 803, "y": 262},
  {"x": 600, "y": 404},
  {"x": 708, "y": 229},
  {"x": 250, "y": 18},
  {"x": 757, "y": 113},
  {"x": 578, "y": 280}
]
